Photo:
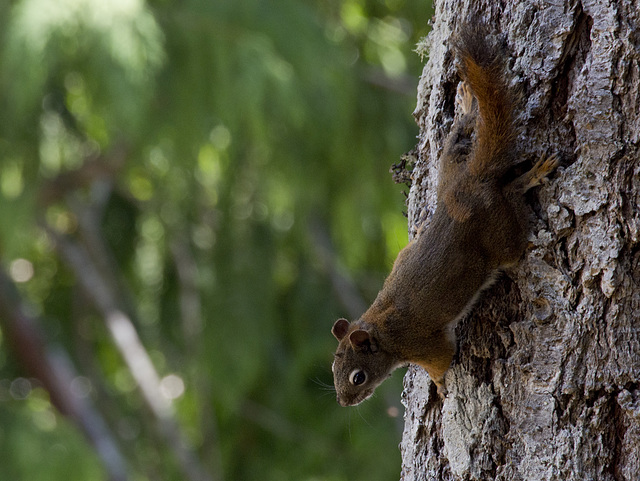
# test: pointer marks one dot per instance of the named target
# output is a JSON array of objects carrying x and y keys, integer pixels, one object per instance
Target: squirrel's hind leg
[
  {"x": 537, "y": 174},
  {"x": 464, "y": 98},
  {"x": 458, "y": 144}
]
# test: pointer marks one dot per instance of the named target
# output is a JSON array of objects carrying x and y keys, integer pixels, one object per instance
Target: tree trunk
[{"x": 546, "y": 382}]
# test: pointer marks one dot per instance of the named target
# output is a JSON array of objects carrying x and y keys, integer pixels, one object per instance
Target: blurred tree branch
[
  {"x": 52, "y": 366},
  {"x": 102, "y": 295},
  {"x": 191, "y": 320},
  {"x": 93, "y": 169},
  {"x": 402, "y": 84},
  {"x": 190, "y": 302},
  {"x": 132, "y": 126}
]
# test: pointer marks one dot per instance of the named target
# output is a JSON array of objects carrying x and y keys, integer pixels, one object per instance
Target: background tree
[
  {"x": 184, "y": 186},
  {"x": 545, "y": 385}
]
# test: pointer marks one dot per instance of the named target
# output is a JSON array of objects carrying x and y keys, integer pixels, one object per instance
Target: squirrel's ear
[
  {"x": 340, "y": 328},
  {"x": 359, "y": 338}
]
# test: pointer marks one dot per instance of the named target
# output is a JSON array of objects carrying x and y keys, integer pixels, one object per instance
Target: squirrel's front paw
[{"x": 442, "y": 389}]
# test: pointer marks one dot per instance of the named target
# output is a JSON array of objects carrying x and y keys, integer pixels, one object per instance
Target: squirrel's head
[{"x": 359, "y": 364}]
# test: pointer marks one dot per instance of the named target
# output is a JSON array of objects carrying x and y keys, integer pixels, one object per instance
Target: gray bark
[{"x": 546, "y": 382}]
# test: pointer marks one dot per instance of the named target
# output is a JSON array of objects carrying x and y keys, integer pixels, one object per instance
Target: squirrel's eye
[{"x": 357, "y": 377}]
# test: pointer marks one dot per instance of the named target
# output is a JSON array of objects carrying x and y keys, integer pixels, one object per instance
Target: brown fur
[{"x": 477, "y": 228}]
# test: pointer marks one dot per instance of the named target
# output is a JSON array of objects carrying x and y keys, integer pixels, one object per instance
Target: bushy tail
[{"x": 483, "y": 68}]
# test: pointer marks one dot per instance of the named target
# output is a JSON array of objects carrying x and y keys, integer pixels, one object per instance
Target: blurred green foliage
[{"x": 227, "y": 128}]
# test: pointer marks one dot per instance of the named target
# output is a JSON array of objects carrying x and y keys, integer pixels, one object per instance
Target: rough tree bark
[{"x": 546, "y": 383}]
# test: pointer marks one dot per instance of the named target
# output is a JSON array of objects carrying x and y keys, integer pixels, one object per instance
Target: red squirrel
[{"x": 479, "y": 227}]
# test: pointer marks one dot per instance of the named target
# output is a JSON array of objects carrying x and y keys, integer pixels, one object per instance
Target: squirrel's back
[
  {"x": 483, "y": 68},
  {"x": 478, "y": 227}
]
